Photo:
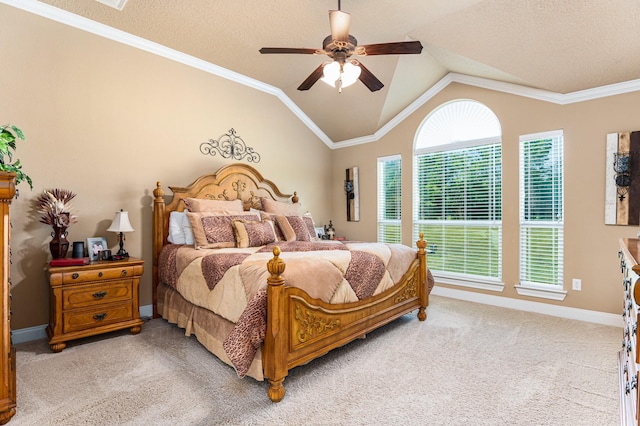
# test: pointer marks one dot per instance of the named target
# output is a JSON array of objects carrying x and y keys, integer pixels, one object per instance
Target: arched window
[{"x": 457, "y": 192}]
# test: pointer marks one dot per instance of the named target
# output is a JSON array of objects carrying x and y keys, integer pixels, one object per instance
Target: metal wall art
[
  {"x": 230, "y": 146},
  {"x": 353, "y": 195},
  {"x": 622, "y": 185}
]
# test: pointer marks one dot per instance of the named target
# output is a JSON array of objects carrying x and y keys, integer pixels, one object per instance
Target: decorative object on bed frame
[
  {"x": 94, "y": 246},
  {"x": 353, "y": 196},
  {"x": 230, "y": 146},
  {"x": 54, "y": 205},
  {"x": 121, "y": 225},
  {"x": 299, "y": 328},
  {"x": 622, "y": 186}
]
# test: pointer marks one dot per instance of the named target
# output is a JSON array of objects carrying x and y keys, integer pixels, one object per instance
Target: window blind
[
  {"x": 390, "y": 199},
  {"x": 458, "y": 207},
  {"x": 541, "y": 209}
]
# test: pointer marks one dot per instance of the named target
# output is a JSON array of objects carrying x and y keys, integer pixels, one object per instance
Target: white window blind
[
  {"x": 390, "y": 199},
  {"x": 541, "y": 209},
  {"x": 458, "y": 207}
]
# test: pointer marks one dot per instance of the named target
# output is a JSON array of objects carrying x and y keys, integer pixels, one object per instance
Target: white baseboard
[
  {"x": 529, "y": 306},
  {"x": 38, "y": 332}
]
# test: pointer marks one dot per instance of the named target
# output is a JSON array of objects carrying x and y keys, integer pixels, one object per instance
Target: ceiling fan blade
[
  {"x": 340, "y": 22},
  {"x": 313, "y": 77},
  {"x": 288, "y": 50},
  {"x": 398, "y": 48},
  {"x": 369, "y": 80}
]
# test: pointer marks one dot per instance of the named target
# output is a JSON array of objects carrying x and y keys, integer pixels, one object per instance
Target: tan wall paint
[
  {"x": 107, "y": 121},
  {"x": 590, "y": 245}
]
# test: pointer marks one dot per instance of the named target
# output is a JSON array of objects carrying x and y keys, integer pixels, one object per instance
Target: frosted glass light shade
[{"x": 348, "y": 75}]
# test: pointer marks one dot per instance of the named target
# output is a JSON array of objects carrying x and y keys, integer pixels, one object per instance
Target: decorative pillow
[
  {"x": 288, "y": 233},
  {"x": 279, "y": 207},
  {"x": 299, "y": 228},
  {"x": 311, "y": 226},
  {"x": 215, "y": 229},
  {"x": 254, "y": 234},
  {"x": 272, "y": 217},
  {"x": 205, "y": 205}
]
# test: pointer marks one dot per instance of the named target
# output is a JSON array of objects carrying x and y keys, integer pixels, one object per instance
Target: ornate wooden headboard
[{"x": 231, "y": 182}]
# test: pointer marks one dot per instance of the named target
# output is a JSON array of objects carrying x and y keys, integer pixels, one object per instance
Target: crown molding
[{"x": 76, "y": 21}]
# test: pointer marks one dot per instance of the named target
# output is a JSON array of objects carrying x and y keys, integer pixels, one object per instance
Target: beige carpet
[{"x": 468, "y": 364}]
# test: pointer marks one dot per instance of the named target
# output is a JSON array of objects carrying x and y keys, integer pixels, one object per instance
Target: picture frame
[
  {"x": 95, "y": 245},
  {"x": 320, "y": 232}
]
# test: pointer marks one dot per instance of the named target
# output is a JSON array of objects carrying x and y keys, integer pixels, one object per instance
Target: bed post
[
  {"x": 274, "y": 355},
  {"x": 158, "y": 239},
  {"x": 424, "y": 290}
]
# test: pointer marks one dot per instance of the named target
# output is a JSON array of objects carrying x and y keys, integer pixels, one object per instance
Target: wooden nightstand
[{"x": 93, "y": 299}]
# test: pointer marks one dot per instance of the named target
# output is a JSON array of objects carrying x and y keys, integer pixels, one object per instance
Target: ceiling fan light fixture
[{"x": 344, "y": 76}]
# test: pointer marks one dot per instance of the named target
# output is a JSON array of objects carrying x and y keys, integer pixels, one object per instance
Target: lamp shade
[{"x": 121, "y": 223}]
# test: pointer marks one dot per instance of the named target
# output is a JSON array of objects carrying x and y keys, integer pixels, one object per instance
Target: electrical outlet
[{"x": 577, "y": 284}]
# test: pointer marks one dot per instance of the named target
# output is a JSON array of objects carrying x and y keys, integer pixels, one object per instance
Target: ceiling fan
[{"x": 343, "y": 71}]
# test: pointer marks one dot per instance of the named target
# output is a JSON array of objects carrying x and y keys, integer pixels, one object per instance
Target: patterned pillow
[
  {"x": 311, "y": 226},
  {"x": 254, "y": 234},
  {"x": 215, "y": 229},
  {"x": 206, "y": 205},
  {"x": 299, "y": 228}
]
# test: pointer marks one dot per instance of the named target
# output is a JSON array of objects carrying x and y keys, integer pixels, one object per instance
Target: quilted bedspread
[{"x": 232, "y": 282}]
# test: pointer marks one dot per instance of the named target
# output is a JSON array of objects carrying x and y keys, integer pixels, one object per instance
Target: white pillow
[
  {"x": 176, "y": 229},
  {"x": 180, "y": 231}
]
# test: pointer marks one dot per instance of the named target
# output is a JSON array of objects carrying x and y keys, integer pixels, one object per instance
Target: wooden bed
[{"x": 299, "y": 327}]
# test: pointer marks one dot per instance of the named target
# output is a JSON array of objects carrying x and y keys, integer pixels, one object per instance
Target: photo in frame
[{"x": 95, "y": 245}]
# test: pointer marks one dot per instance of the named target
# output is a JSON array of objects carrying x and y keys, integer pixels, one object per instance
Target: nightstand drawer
[
  {"x": 80, "y": 276},
  {"x": 82, "y": 320},
  {"x": 92, "y": 294}
]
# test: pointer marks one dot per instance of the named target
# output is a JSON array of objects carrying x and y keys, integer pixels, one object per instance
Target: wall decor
[
  {"x": 622, "y": 186},
  {"x": 230, "y": 145},
  {"x": 353, "y": 196}
]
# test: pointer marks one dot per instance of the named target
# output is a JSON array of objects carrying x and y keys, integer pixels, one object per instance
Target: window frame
[
  {"x": 382, "y": 221},
  {"x": 526, "y": 286}
]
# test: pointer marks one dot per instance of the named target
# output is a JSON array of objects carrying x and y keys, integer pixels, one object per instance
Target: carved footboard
[{"x": 300, "y": 329}]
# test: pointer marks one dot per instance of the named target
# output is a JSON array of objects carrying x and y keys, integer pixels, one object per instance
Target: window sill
[
  {"x": 479, "y": 283},
  {"x": 541, "y": 292}
]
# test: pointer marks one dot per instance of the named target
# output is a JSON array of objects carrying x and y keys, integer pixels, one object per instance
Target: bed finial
[
  {"x": 276, "y": 267},
  {"x": 421, "y": 243},
  {"x": 294, "y": 199},
  {"x": 158, "y": 192}
]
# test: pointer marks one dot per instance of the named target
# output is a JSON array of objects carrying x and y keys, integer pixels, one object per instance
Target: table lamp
[{"x": 121, "y": 225}]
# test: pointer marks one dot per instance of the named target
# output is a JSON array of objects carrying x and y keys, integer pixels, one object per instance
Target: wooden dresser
[
  {"x": 93, "y": 299},
  {"x": 8, "y": 354},
  {"x": 628, "y": 357}
]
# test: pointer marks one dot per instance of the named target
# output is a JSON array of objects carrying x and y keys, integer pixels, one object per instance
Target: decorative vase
[{"x": 59, "y": 243}]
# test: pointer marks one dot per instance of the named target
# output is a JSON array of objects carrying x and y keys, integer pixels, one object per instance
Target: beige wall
[
  {"x": 107, "y": 121},
  {"x": 590, "y": 246}
]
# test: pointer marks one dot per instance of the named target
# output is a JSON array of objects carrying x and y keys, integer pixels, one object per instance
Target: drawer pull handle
[
  {"x": 99, "y": 294},
  {"x": 100, "y": 274},
  {"x": 75, "y": 275},
  {"x": 123, "y": 273},
  {"x": 99, "y": 317}
]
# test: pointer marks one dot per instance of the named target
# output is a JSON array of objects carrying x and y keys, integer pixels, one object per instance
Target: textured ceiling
[{"x": 556, "y": 45}]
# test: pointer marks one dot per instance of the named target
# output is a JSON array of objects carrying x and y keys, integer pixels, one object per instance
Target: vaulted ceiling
[{"x": 561, "y": 46}]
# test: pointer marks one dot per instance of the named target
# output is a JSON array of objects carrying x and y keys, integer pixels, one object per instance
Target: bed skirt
[{"x": 210, "y": 329}]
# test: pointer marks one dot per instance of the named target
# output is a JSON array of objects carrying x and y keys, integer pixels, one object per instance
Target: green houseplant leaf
[{"x": 8, "y": 135}]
